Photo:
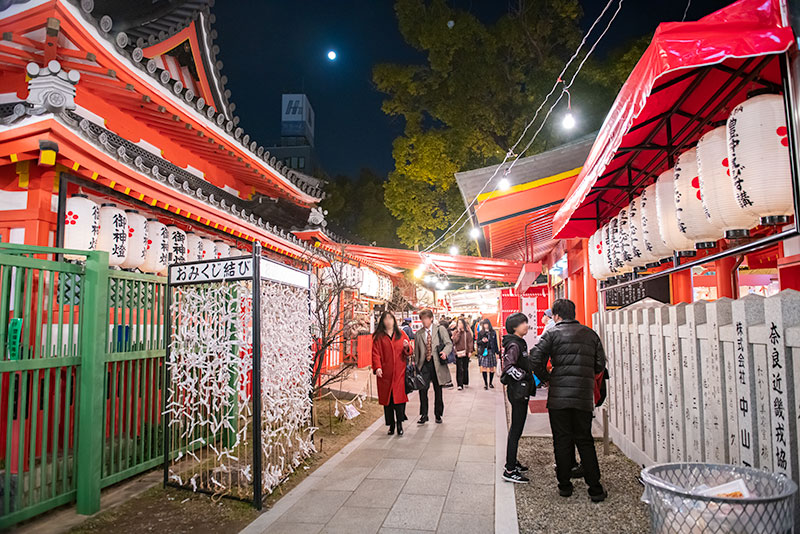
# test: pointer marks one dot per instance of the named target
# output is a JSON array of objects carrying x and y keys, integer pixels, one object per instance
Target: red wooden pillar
[
  {"x": 589, "y": 288},
  {"x": 724, "y": 269},
  {"x": 681, "y": 286}
]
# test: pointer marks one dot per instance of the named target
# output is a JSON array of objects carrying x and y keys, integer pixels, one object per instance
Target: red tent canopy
[
  {"x": 469, "y": 266},
  {"x": 702, "y": 69}
]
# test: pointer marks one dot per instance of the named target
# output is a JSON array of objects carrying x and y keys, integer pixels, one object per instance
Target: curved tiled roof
[{"x": 124, "y": 43}]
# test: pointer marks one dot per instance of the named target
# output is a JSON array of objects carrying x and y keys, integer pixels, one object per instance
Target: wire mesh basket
[{"x": 689, "y": 498}]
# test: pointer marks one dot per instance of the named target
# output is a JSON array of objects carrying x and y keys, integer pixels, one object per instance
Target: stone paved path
[{"x": 437, "y": 477}]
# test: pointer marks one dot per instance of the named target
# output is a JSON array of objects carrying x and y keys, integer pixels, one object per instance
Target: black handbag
[
  {"x": 414, "y": 379},
  {"x": 520, "y": 389}
]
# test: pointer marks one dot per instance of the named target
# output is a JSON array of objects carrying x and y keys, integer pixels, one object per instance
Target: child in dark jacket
[{"x": 518, "y": 379}]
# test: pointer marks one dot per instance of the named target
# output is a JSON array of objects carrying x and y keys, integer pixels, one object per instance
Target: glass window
[
  {"x": 294, "y": 163},
  {"x": 301, "y": 163}
]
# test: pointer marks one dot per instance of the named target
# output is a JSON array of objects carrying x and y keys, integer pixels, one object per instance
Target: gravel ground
[{"x": 542, "y": 510}]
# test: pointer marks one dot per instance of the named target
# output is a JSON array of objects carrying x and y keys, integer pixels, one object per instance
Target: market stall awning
[
  {"x": 691, "y": 75},
  {"x": 468, "y": 266}
]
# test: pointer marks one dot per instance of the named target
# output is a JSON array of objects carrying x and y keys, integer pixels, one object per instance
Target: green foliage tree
[
  {"x": 469, "y": 102},
  {"x": 356, "y": 204}
]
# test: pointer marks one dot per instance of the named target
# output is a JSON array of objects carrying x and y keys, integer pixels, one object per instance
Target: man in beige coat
[{"x": 432, "y": 344}]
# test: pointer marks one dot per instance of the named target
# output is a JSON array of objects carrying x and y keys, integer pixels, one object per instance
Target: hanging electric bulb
[
  {"x": 439, "y": 285},
  {"x": 568, "y": 122},
  {"x": 503, "y": 184},
  {"x": 488, "y": 286},
  {"x": 454, "y": 250},
  {"x": 419, "y": 271},
  {"x": 474, "y": 233}
]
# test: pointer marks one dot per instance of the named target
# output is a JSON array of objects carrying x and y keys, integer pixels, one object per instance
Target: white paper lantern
[
  {"x": 223, "y": 250},
  {"x": 716, "y": 186},
  {"x": 137, "y": 240},
  {"x": 194, "y": 247},
  {"x": 177, "y": 244},
  {"x": 596, "y": 261},
  {"x": 81, "y": 225},
  {"x": 653, "y": 243},
  {"x": 113, "y": 235},
  {"x": 758, "y": 151},
  {"x": 668, "y": 225},
  {"x": 157, "y": 250},
  {"x": 636, "y": 249},
  {"x": 209, "y": 249},
  {"x": 235, "y": 253},
  {"x": 624, "y": 233},
  {"x": 689, "y": 209},
  {"x": 608, "y": 250}
]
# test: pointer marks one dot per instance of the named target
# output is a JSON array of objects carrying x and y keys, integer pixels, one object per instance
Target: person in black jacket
[
  {"x": 576, "y": 354},
  {"x": 519, "y": 382}
]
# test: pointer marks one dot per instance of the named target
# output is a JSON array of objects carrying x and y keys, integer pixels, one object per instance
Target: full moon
[{"x": 331, "y": 55}]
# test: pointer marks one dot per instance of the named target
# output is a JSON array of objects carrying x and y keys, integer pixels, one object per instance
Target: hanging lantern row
[
  {"x": 132, "y": 240},
  {"x": 349, "y": 276},
  {"x": 737, "y": 177}
]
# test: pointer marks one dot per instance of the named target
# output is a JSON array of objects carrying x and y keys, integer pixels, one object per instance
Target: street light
[
  {"x": 454, "y": 250},
  {"x": 474, "y": 233}
]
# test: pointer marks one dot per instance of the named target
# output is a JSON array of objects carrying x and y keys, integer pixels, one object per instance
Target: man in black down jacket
[{"x": 576, "y": 354}]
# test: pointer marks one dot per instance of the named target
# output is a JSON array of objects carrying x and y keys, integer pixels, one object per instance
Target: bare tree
[{"x": 333, "y": 317}]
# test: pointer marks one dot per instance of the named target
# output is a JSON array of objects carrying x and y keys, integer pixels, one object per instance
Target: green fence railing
[{"x": 79, "y": 343}]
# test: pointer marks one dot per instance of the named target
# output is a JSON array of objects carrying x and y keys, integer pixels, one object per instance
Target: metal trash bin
[{"x": 684, "y": 499}]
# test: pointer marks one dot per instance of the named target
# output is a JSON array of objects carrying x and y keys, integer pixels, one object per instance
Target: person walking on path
[
  {"x": 390, "y": 351},
  {"x": 487, "y": 352},
  {"x": 432, "y": 346},
  {"x": 577, "y": 356},
  {"x": 519, "y": 385},
  {"x": 463, "y": 345},
  {"x": 407, "y": 329}
]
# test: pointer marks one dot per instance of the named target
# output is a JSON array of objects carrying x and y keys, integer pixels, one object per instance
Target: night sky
[{"x": 275, "y": 47}]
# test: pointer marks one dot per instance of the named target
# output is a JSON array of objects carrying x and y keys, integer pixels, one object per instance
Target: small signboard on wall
[{"x": 656, "y": 288}]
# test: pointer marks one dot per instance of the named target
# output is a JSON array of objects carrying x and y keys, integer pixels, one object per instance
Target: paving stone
[
  {"x": 476, "y": 453},
  {"x": 343, "y": 478},
  {"x": 289, "y": 527},
  {"x": 362, "y": 458},
  {"x": 393, "y": 468},
  {"x": 356, "y": 521},
  {"x": 479, "y": 438},
  {"x": 438, "y": 460},
  {"x": 402, "y": 531},
  {"x": 474, "y": 473},
  {"x": 466, "y": 523},
  {"x": 415, "y": 512},
  {"x": 316, "y": 506},
  {"x": 468, "y": 498},
  {"x": 376, "y": 493},
  {"x": 428, "y": 482}
]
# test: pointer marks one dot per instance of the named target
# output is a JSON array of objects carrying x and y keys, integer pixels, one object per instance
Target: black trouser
[
  {"x": 394, "y": 411},
  {"x": 462, "y": 371},
  {"x": 573, "y": 428},
  {"x": 519, "y": 412},
  {"x": 429, "y": 373}
]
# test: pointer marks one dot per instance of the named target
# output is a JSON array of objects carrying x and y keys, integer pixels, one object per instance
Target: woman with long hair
[
  {"x": 487, "y": 352},
  {"x": 462, "y": 345},
  {"x": 390, "y": 351}
]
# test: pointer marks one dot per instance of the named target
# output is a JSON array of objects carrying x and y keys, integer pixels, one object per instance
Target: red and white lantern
[
  {"x": 669, "y": 227},
  {"x": 209, "y": 249},
  {"x": 223, "y": 250},
  {"x": 157, "y": 251},
  {"x": 758, "y": 152},
  {"x": 81, "y": 225},
  {"x": 137, "y": 240},
  {"x": 177, "y": 244},
  {"x": 716, "y": 186},
  {"x": 113, "y": 235},
  {"x": 654, "y": 246},
  {"x": 194, "y": 247},
  {"x": 235, "y": 253},
  {"x": 689, "y": 209},
  {"x": 597, "y": 265}
]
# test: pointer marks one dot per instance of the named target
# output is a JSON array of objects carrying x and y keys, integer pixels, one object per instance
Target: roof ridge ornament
[{"x": 50, "y": 89}]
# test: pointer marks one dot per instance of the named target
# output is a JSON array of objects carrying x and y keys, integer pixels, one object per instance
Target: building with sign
[{"x": 296, "y": 147}]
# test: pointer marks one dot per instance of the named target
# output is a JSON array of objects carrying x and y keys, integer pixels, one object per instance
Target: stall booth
[{"x": 693, "y": 176}]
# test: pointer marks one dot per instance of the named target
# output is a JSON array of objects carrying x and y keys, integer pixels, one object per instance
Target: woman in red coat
[{"x": 390, "y": 350}]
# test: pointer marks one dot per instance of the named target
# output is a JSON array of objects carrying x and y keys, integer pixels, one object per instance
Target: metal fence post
[
  {"x": 90, "y": 427},
  {"x": 256, "y": 419}
]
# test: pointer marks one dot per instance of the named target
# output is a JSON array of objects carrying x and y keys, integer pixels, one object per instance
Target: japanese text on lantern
[{"x": 119, "y": 234}]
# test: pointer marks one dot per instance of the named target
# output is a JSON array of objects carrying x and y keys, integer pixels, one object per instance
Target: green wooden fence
[{"x": 79, "y": 344}]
